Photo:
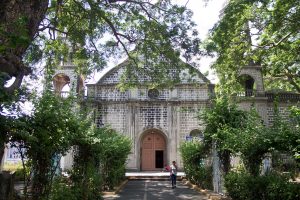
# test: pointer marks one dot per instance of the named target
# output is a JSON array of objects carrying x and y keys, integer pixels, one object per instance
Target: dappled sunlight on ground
[{"x": 155, "y": 190}]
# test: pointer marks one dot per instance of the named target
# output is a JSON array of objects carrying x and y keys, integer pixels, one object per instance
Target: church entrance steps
[{"x": 152, "y": 175}]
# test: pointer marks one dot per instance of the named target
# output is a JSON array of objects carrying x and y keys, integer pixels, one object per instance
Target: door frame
[{"x": 142, "y": 136}]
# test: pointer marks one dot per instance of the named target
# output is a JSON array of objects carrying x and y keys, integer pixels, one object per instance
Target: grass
[{"x": 12, "y": 166}]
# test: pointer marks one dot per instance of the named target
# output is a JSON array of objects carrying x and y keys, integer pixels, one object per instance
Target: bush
[
  {"x": 62, "y": 190},
  {"x": 115, "y": 149},
  {"x": 194, "y": 155},
  {"x": 285, "y": 162},
  {"x": 86, "y": 180},
  {"x": 243, "y": 186},
  {"x": 19, "y": 175},
  {"x": 100, "y": 162}
]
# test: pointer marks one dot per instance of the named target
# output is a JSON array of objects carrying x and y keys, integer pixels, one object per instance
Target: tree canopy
[
  {"x": 95, "y": 30},
  {"x": 258, "y": 32}
]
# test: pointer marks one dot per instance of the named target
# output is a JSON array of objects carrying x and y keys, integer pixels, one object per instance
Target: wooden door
[{"x": 151, "y": 144}]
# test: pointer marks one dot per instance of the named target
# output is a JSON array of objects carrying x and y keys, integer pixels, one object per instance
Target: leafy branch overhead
[
  {"x": 95, "y": 31},
  {"x": 258, "y": 32}
]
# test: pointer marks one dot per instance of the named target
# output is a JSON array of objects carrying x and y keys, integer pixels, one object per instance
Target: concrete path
[{"x": 155, "y": 190}]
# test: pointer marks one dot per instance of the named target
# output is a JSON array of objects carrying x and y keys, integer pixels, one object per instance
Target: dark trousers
[{"x": 173, "y": 179}]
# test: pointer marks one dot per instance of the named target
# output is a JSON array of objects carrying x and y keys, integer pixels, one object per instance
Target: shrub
[
  {"x": 243, "y": 186},
  {"x": 115, "y": 149},
  {"x": 19, "y": 175},
  {"x": 285, "y": 162},
  {"x": 100, "y": 161},
  {"x": 194, "y": 156},
  {"x": 62, "y": 190}
]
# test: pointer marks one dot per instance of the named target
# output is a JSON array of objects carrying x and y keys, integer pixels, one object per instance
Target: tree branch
[
  {"x": 292, "y": 80},
  {"x": 138, "y": 2},
  {"x": 116, "y": 34},
  {"x": 273, "y": 44},
  {"x": 16, "y": 84}
]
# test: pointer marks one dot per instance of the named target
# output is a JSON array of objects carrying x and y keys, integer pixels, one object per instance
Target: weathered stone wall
[
  {"x": 255, "y": 73},
  {"x": 173, "y": 112},
  {"x": 170, "y": 112},
  {"x": 265, "y": 108}
]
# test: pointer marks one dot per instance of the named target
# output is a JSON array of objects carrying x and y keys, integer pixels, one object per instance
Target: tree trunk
[
  {"x": 41, "y": 179},
  {"x": 19, "y": 22},
  {"x": 225, "y": 159},
  {"x": 2, "y": 148}
]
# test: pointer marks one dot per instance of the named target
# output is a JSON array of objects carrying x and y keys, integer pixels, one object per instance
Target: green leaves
[
  {"x": 240, "y": 132},
  {"x": 48, "y": 132},
  {"x": 265, "y": 33},
  {"x": 104, "y": 151},
  {"x": 159, "y": 32},
  {"x": 194, "y": 154}
]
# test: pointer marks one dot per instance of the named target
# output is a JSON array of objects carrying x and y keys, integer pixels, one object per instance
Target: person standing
[{"x": 173, "y": 172}]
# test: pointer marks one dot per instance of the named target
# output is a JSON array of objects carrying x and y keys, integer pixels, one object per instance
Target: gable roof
[{"x": 113, "y": 76}]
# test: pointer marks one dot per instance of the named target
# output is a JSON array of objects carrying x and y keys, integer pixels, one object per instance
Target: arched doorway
[{"x": 153, "y": 151}]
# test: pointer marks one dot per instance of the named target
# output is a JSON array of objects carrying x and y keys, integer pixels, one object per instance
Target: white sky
[{"x": 205, "y": 16}]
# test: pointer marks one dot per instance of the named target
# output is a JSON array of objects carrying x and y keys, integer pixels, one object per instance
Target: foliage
[
  {"x": 63, "y": 190},
  {"x": 258, "y": 32},
  {"x": 194, "y": 155},
  {"x": 222, "y": 124},
  {"x": 160, "y": 31},
  {"x": 235, "y": 131},
  {"x": 46, "y": 135},
  {"x": 49, "y": 132},
  {"x": 284, "y": 162},
  {"x": 100, "y": 162},
  {"x": 9, "y": 111},
  {"x": 243, "y": 186},
  {"x": 295, "y": 120},
  {"x": 254, "y": 141},
  {"x": 115, "y": 149}
]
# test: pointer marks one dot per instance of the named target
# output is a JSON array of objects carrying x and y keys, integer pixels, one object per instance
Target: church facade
[{"x": 156, "y": 120}]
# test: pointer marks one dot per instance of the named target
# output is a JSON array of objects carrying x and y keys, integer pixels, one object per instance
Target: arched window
[
  {"x": 65, "y": 91},
  {"x": 196, "y": 133},
  {"x": 61, "y": 84},
  {"x": 248, "y": 84}
]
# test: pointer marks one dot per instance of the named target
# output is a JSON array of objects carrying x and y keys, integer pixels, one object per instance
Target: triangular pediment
[{"x": 187, "y": 74}]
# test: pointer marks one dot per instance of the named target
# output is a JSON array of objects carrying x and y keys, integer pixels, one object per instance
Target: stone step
[{"x": 152, "y": 175}]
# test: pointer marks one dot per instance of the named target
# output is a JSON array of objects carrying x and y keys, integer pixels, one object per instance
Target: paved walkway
[{"x": 155, "y": 190}]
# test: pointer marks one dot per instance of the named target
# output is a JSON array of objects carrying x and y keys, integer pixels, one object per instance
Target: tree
[
  {"x": 31, "y": 30},
  {"x": 223, "y": 122},
  {"x": 89, "y": 32},
  {"x": 295, "y": 114},
  {"x": 253, "y": 142},
  {"x": 194, "y": 156},
  {"x": 258, "y": 32},
  {"x": 47, "y": 134},
  {"x": 9, "y": 112}
]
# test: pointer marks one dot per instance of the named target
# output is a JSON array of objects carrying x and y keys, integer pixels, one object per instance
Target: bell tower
[
  {"x": 252, "y": 80},
  {"x": 66, "y": 80}
]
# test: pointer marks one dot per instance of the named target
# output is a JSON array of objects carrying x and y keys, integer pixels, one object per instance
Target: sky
[{"x": 206, "y": 14}]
